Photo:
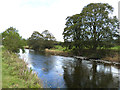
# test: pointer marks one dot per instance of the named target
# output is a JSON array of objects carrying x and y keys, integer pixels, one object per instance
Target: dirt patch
[{"x": 115, "y": 58}]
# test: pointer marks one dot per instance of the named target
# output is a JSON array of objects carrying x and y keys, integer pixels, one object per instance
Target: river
[{"x": 68, "y": 72}]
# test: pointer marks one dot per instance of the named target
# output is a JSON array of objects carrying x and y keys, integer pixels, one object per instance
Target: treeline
[{"x": 13, "y": 42}]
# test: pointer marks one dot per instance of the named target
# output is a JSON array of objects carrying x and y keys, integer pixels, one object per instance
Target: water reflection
[
  {"x": 78, "y": 75},
  {"x": 67, "y": 72}
]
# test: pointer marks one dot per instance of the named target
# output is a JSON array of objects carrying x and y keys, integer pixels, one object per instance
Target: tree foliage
[
  {"x": 12, "y": 40},
  {"x": 93, "y": 27},
  {"x": 48, "y": 36},
  {"x": 48, "y": 39},
  {"x": 36, "y": 41},
  {"x": 41, "y": 41}
]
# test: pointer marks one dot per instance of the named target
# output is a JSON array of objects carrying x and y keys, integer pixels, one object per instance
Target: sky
[{"x": 39, "y": 15}]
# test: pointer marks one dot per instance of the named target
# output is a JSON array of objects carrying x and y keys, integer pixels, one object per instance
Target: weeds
[{"x": 16, "y": 74}]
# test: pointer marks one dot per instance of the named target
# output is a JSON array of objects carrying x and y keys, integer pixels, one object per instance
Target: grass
[
  {"x": 15, "y": 73},
  {"x": 58, "y": 48},
  {"x": 110, "y": 54},
  {"x": 112, "y": 58},
  {"x": 115, "y": 48},
  {"x": 0, "y": 67}
]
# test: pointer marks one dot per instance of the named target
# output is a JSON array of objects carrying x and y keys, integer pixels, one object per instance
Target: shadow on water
[
  {"x": 78, "y": 75},
  {"x": 67, "y": 72}
]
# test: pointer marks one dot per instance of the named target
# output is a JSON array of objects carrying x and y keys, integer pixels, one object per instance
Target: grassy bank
[
  {"x": 60, "y": 48},
  {"x": 115, "y": 58},
  {"x": 15, "y": 73},
  {"x": 58, "y": 52},
  {"x": 111, "y": 54}
]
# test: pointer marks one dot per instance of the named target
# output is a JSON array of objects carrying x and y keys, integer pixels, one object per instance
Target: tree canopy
[
  {"x": 48, "y": 36},
  {"x": 36, "y": 41},
  {"x": 12, "y": 40},
  {"x": 93, "y": 27},
  {"x": 41, "y": 41}
]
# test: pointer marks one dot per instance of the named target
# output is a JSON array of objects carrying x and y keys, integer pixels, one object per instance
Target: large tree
[
  {"x": 93, "y": 27},
  {"x": 49, "y": 39},
  {"x": 12, "y": 40},
  {"x": 48, "y": 36},
  {"x": 36, "y": 41},
  {"x": 41, "y": 41}
]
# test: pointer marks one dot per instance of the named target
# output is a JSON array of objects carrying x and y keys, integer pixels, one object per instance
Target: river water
[{"x": 68, "y": 72}]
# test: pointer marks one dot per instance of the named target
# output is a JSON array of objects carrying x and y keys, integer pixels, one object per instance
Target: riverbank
[
  {"x": 112, "y": 57},
  {"x": 56, "y": 52},
  {"x": 15, "y": 73}
]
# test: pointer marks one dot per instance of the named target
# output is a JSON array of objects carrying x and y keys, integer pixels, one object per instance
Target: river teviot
[{"x": 68, "y": 72}]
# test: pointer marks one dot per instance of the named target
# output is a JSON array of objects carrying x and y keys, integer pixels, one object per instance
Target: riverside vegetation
[
  {"x": 91, "y": 33},
  {"x": 111, "y": 54},
  {"x": 15, "y": 73}
]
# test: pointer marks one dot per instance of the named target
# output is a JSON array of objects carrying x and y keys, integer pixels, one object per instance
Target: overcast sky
[{"x": 39, "y": 15}]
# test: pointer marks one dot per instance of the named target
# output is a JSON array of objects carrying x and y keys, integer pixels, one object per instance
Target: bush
[{"x": 12, "y": 40}]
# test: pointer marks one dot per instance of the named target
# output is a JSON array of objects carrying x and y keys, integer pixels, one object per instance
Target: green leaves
[
  {"x": 36, "y": 41},
  {"x": 12, "y": 40},
  {"x": 48, "y": 36},
  {"x": 41, "y": 41},
  {"x": 91, "y": 27}
]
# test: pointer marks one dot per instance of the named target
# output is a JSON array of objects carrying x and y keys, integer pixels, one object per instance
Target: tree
[
  {"x": 12, "y": 40},
  {"x": 41, "y": 41},
  {"x": 92, "y": 27},
  {"x": 73, "y": 33},
  {"x": 24, "y": 42},
  {"x": 36, "y": 41},
  {"x": 48, "y": 36},
  {"x": 117, "y": 41},
  {"x": 49, "y": 39}
]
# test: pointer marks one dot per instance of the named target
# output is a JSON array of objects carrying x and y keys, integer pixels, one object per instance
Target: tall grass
[
  {"x": 115, "y": 48},
  {"x": 0, "y": 67},
  {"x": 15, "y": 73}
]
